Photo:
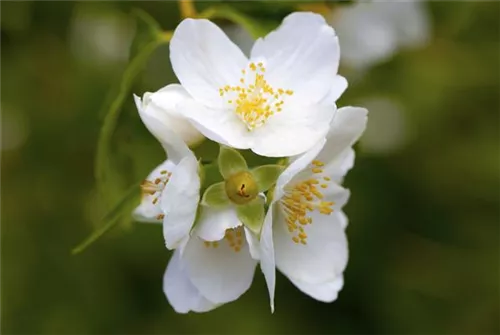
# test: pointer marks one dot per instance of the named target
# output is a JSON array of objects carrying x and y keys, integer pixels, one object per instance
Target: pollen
[
  {"x": 214, "y": 244},
  {"x": 153, "y": 188},
  {"x": 302, "y": 198},
  {"x": 254, "y": 100},
  {"x": 234, "y": 238}
]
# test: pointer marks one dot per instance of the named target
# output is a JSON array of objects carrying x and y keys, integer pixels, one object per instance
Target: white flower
[
  {"x": 303, "y": 232},
  {"x": 277, "y": 103},
  {"x": 163, "y": 105},
  {"x": 214, "y": 266},
  {"x": 371, "y": 32},
  {"x": 172, "y": 191}
]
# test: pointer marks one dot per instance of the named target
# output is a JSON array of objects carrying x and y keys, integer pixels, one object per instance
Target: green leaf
[
  {"x": 102, "y": 162},
  {"x": 266, "y": 175},
  {"x": 215, "y": 196},
  {"x": 230, "y": 162},
  {"x": 111, "y": 219},
  {"x": 252, "y": 214},
  {"x": 256, "y": 28}
]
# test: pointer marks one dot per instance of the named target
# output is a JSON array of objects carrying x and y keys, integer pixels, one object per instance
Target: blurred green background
[{"x": 424, "y": 212}]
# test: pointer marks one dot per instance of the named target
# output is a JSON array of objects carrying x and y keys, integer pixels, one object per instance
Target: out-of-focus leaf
[
  {"x": 256, "y": 28},
  {"x": 102, "y": 162},
  {"x": 207, "y": 151},
  {"x": 124, "y": 206},
  {"x": 322, "y": 8},
  {"x": 147, "y": 30}
]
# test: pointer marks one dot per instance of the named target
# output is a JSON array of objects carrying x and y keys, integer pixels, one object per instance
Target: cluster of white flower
[{"x": 278, "y": 103}]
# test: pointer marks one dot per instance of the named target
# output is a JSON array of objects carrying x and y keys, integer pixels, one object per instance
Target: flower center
[
  {"x": 155, "y": 187},
  {"x": 234, "y": 238},
  {"x": 302, "y": 198},
  {"x": 241, "y": 188},
  {"x": 254, "y": 100}
]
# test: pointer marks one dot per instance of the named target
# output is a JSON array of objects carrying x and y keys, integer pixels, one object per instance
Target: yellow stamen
[
  {"x": 255, "y": 100},
  {"x": 235, "y": 243},
  {"x": 304, "y": 197},
  {"x": 156, "y": 186}
]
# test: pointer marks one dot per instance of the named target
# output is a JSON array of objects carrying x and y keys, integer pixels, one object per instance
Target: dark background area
[{"x": 424, "y": 215}]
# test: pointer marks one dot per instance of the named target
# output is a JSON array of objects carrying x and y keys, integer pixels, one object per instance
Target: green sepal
[
  {"x": 266, "y": 175},
  {"x": 230, "y": 162},
  {"x": 215, "y": 196},
  {"x": 252, "y": 214}
]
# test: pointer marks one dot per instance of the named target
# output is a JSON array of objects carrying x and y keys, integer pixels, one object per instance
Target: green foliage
[
  {"x": 111, "y": 219},
  {"x": 103, "y": 169},
  {"x": 146, "y": 31},
  {"x": 256, "y": 28},
  {"x": 207, "y": 151}
]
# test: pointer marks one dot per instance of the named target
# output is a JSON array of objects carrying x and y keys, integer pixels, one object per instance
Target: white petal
[
  {"x": 297, "y": 165},
  {"x": 338, "y": 88},
  {"x": 147, "y": 211},
  {"x": 267, "y": 262},
  {"x": 179, "y": 201},
  {"x": 253, "y": 244},
  {"x": 174, "y": 146},
  {"x": 326, "y": 292},
  {"x": 220, "y": 274},
  {"x": 301, "y": 55},
  {"x": 338, "y": 167},
  {"x": 163, "y": 105},
  {"x": 335, "y": 193},
  {"x": 292, "y": 131},
  {"x": 240, "y": 36},
  {"x": 182, "y": 295},
  {"x": 343, "y": 219},
  {"x": 324, "y": 256},
  {"x": 346, "y": 127},
  {"x": 204, "y": 60},
  {"x": 213, "y": 222},
  {"x": 220, "y": 125}
]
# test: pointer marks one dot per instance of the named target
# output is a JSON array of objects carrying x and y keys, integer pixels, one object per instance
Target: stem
[{"x": 187, "y": 9}]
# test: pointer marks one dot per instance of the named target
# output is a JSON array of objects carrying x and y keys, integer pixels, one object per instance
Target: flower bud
[{"x": 163, "y": 106}]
